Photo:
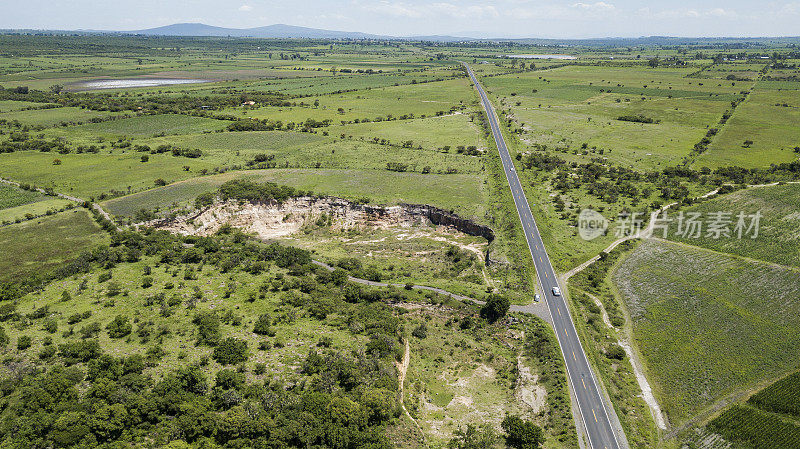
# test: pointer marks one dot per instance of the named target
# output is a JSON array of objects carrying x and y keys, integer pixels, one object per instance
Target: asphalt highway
[{"x": 591, "y": 407}]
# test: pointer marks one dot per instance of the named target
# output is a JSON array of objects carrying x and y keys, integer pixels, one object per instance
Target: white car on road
[{"x": 556, "y": 291}]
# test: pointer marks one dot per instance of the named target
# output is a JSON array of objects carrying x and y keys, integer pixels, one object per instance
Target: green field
[
  {"x": 11, "y": 196},
  {"x": 764, "y": 120},
  {"x": 37, "y": 246},
  {"x": 707, "y": 324},
  {"x": 147, "y": 126},
  {"x": 91, "y": 175},
  {"x": 778, "y": 238}
]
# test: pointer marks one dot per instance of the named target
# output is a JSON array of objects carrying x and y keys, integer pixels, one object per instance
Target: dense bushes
[
  {"x": 230, "y": 351},
  {"x": 344, "y": 404},
  {"x": 251, "y": 191}
]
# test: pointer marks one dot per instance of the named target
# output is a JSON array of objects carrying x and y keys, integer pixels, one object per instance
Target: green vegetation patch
[
  {"x": 151, "y": 125},
  {"x": 708, "y": 324},
  {"x": 780, "y": 397},
  {"x": 762, "y": 131},
  {"x": 778, "y": 238},
  {"x": 11, "y": 196},
  {"x": 756, "y": 429},
  {"x": 46, "y": 243}
]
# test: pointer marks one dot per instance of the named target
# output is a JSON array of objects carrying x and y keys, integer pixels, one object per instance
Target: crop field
[
  {"x": 92, "y": 175},
  {"x": 465, "y": 194},
  {"x": 780, "y": 397},
  {"x": 778, "y": 238},
  {"x": 570, "y": 106},
  {"x": 11, "y": 196},
  {"x": 707, "y": 324},
  {"x": 762, "y": 131},
  {"x": 45, "y": 243},
  {"x": 54, "y": 117},
  {"x": 148, "y": 126}
]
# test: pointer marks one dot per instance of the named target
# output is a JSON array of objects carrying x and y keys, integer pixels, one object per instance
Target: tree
[
  {"x": 207, "y": 328},
  {"x": 495, "y": 308},
  {"x": 420, "y": 331},
  {"x": 119, "y": 327},
  {"x": 521, "y": 434},
  {"x": 230, "y": 351},
  {"x": 262, "y": 326},
  {"x": 653, "y": 62},
  {"x": 472, "y": 437},
  {"x": 8, "y": 291}
]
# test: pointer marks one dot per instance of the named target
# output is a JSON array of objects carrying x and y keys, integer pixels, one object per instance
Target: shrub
[
  {"x": 521, "y": 434},
  {"x": 262, "y": 325},
  {"x": 615, "y": 352},
  {"x": 119, "y": 327},
  {"x": 207, "y": 328},
  {"x": 147, "y": 282},
  {"x": 495, "y": 308},
  {"x": 230, "y": 351},
  {"x": 24, "y": 342},
  {"x": 420, "y": 331},
  {"x": 251, "y": 191}
]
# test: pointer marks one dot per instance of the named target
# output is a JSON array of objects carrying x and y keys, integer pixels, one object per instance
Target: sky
[{"x": 489, "y": 18}]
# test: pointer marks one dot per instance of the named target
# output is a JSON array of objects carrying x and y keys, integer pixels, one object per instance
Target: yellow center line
[
  {"x": 584, "y": 384},
  {"x": 559, "y": 312},
  {"x": 595, "y": 416},
  {"x": 573, "y": 356}
]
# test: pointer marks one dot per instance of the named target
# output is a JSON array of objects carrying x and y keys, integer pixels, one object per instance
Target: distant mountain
[{"x": 270, "y": 31}]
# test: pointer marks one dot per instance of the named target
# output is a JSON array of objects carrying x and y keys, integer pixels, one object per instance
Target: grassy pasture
[
  {"x": 42, "y": 244},
  {"x": 300, "y": 150},
  {"x": 55, "y": 116},
  {"x": 12, "y": 105},
  {"x": 571, "y": 106},
  {"x": 89, "y": 175},
  {"x": 708, "y": 324},
  {"x": 430, "y": 133},
  {"x": 147, "y": 126},
  {"x": 36, "y": 208},
  {"x": 778, "y": 239},
  {"x": 773, "y": 130}
]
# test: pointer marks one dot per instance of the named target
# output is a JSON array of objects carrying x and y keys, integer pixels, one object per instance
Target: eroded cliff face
[{"x": 272, "y": 220}]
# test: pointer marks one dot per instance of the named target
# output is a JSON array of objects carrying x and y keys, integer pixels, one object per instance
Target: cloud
[
  {"x": 688, "y": 13},
  {"x": 433, "y": 10},
  {"x": 245, "y": 8},
  {"x": 595, "y": 7}
]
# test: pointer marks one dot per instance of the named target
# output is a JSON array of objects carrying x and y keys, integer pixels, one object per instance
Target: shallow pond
[
  {"x": 135, "y": 82},
  {"x": 542, "y": 56}
]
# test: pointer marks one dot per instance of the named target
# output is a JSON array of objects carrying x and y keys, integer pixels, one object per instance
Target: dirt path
[{"x": 402, "y": 369}]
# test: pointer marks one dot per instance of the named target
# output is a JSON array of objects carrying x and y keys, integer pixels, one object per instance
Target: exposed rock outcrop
[{"x": 273, "y": 220}]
